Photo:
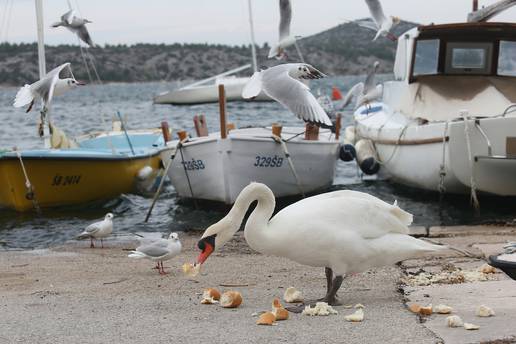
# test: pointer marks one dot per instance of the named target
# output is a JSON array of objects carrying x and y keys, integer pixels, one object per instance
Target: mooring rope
[
  {"x": 473, "y": 186},
  {"x": 30, "y": 195},
  {"x": 283, "y": 144},
  {"x": 186, "y": 174}
]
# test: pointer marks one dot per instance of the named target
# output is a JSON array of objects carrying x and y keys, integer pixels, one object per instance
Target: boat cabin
[{"x": 442, "y": 69}]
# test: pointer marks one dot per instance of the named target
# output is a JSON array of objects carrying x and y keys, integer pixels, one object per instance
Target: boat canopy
[{"x": 444, "y": 69}]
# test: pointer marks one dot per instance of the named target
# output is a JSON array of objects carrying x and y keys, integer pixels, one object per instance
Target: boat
[
  {"x": 206, "y": 91},
  {"x": 447, "y": 121},
  {"x": 201, "y": 92},
  {"x": 102, "y": 166},
  {"x": 217, "y": 166},
  {"x": 217, "y": 169},
  {"x": 97, "y": 166}
]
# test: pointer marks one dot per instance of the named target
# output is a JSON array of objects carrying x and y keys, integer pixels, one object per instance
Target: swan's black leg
[
  {"x": 329, "y": 279},
  {"x": 331, "y": 298}
]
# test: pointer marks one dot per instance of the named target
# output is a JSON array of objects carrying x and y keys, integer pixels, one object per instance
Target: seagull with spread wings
[
  {"x": 285, "y": 39},
  {"x": 46, "y": 88},
  {"x": 379, "y": 22},
  {"x": 283, "y": 83},
  {"x": 76, "y": 25},
  {"x": 363, "y": 92}
]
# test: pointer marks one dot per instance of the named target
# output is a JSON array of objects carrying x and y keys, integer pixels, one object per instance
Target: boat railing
[{"x": 508, "y": 109}]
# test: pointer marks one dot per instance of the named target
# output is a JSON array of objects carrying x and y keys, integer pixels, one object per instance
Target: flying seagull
[
  {"x": 50, "y": 85},
  {"x": 98, "y": 230},
  {"x": 285, "y": 39},
  {"x": 486, "y": 13},
  {"x": 379, "y": 22},
  {"x": 76, "y": 25},
  {"x": 283, "y": 83},
  {"x": 158, "y": 251},
  {"x": 363, "y": 92}
]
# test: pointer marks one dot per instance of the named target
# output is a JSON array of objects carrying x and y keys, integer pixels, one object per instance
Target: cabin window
[
  {"x": 507, "y": 58},
  {"x": 468, "y": 58},
  {"x": 427, "y": 57}
]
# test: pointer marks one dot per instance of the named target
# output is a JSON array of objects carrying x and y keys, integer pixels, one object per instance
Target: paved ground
[{"x": 73, "y": 294}]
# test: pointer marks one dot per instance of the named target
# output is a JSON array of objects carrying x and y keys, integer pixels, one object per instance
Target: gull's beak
[
  {"x": 207, "y": 246},
  {"x": 80, "y": 83}
]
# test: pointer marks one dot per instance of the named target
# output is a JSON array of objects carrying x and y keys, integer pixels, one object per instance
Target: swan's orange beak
[{"x": 207, "y": 246}]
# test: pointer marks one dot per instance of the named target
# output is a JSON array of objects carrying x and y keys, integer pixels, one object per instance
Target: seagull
[
  {"x": 47, "y": 87},
  {"x": 76, "y": 25},
  {"x": 158, "y": 251},
  {"x": 285, "y": 39},
  {"x": 380, "y": 22},
  {"x": 363, "y": 92},
  {"x": 283, "y": 83},
  {"x": 98, "y": 230},
  {"x": 486, "y": 13}
]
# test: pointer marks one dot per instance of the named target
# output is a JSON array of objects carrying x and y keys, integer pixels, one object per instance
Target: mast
[
  {"x": 253, "y": 45},
  {"x": 41, "y": 41}
]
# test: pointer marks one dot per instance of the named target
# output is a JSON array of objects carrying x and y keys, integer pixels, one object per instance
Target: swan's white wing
[
  {"x": 375, "y": 7},
  {"x": 285, "y": 19},
  {"x": 486, "y": 13},
  {"x": 253, "y": 87},
  {"x": 278, "y": 83},
  {"x": 347, "y": 210}
]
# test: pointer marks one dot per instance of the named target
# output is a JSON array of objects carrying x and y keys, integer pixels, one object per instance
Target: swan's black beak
[{"x": 207, "y": 246}]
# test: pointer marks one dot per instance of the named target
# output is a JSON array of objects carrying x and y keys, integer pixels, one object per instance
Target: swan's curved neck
[{"x": 255, "y": 232}]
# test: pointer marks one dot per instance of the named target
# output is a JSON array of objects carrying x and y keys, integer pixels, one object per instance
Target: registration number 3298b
[{"x": 268, "y": 161}]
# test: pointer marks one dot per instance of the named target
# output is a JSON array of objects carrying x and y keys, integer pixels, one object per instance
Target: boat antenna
[
  {"x": 475, "y": 5},
  {"x": 253, "y": 44}
]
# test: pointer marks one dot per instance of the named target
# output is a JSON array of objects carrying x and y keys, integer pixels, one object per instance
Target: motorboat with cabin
[{"x": 447, "y": 122}]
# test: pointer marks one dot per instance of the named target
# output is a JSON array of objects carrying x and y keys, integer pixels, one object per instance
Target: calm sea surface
[{"x": 92, "y": 107}]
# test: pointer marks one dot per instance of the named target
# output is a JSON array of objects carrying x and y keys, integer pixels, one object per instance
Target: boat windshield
[
  {"x": 507, "y": 58},
  {"x": 427, "y": 57},
  {"x": 468, "y": 57}
]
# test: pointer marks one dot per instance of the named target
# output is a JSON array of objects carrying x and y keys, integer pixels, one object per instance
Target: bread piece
[
  {"x": 443, "y": 309},
  {"x": 292, "y": 295},
  {"x": 469, "y": 326},
  {"x": 454, "y": 321},
  {"x": 231, "y": 299},
  {"x": 191, "y": 270},
  {"x": 484, "y": 311},
  {"x": 356, "y": 317},
  {"x": 266, "y": 318}
]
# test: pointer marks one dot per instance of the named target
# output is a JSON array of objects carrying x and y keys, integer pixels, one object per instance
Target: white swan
[{"x": 342, "y": 231}]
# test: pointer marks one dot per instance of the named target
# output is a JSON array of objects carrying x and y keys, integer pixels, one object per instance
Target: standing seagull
[
  {"x": 76, "y": 25},
  {"x": 380, "y": 22},
  {"x": 283, "y": 84},
  {"x": 158, "y": 251},
  {"x": 363, "y": 92},
  {"x": 486, "y": 13},
  {"x": 98, "y": 230},
  {"x": 50, "y": 85},
  {"x": 285, "y": 39}
]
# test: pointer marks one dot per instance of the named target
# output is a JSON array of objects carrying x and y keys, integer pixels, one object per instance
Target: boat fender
[
  {"x": 144, "y": 173},
  {"x": 349, "y": 134},
  {"x": 347, "y": 152},
  {"x": 366, "y": 157}
]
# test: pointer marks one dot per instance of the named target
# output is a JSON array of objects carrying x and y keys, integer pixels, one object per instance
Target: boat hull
[
  {"x": 67, "y": 181},
  {"x": 218, "y": 169},
  {"x": 206, "y": 94},
  {"x": 416, "y": 154}
]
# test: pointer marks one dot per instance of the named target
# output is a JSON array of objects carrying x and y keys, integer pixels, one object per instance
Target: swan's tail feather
[
  {"x": 405, "y": 217},
  {"x": 136, "y": 255}
]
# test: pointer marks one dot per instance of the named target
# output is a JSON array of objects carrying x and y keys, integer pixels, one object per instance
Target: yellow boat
[{"x": 102, "y": 167}]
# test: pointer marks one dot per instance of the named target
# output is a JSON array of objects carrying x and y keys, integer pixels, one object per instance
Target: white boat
[
  {"x": 217, "y": 169},
  {"x": 204, "y": 91},
  {"x": 200, "y": 93},
  {"x": 447, "y": 121}
]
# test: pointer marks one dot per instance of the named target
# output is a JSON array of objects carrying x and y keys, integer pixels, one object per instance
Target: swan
[{"x": 342, "y": 231}]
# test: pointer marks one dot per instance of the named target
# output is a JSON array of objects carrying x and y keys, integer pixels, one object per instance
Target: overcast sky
[{"x": 212, "y": 21}]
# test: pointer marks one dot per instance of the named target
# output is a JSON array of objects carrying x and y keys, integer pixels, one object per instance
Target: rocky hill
[{"x": 343, "y": 50}]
